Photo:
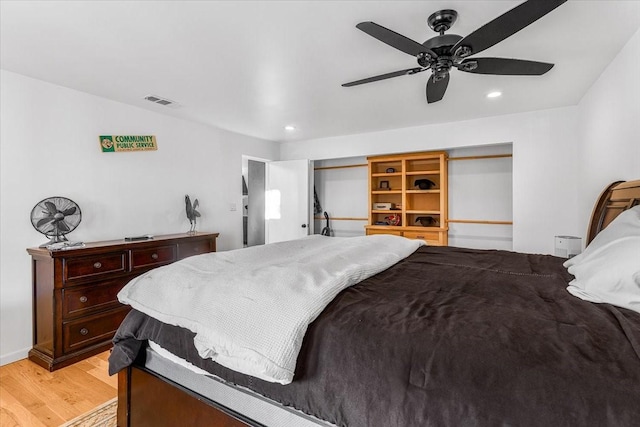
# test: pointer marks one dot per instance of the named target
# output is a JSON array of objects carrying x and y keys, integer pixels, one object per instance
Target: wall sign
[{"x": 112, "y": 143}]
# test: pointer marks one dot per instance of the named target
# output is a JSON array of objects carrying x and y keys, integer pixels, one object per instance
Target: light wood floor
[{"x": 31, "y": 396}]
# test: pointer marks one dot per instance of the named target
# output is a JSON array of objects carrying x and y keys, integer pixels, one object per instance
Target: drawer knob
[
  {"x": 84, "y": 331},
  {"x": 420, "y": 237},
  {"x": 83, "y": 299},
  {"x": 154, "y": 256},
  {"x": 97, "y": 264}
]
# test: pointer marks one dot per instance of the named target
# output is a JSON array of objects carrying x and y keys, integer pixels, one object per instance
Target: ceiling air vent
[{"x": 158, "y": 100}]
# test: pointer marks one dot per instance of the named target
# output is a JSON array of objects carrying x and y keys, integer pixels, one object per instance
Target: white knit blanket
[{"x": 250, "y": 308}]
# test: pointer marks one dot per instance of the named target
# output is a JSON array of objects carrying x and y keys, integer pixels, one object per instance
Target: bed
[{"x": 443, "y": 336}]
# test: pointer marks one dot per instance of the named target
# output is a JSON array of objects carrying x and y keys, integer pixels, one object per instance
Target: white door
[{"x": 288, "y": 200}]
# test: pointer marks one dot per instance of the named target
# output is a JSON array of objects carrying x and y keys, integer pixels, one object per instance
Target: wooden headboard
[{"x": 615, "y": 199}]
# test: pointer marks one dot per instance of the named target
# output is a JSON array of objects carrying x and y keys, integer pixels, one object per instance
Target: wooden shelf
[
  {"x": 419, "y": 228},
  {"x": 429, "y": 172},
  {"x": 387, "y": 174},
  {"x": 386, "y": 192},
  {"x": 423, "y": 191},
  {"x": 385, "y": 211},
  {"x": 421, "y": 212}
]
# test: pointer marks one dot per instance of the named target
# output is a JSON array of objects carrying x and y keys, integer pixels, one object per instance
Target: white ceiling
[{"x": 253, "y": 67}]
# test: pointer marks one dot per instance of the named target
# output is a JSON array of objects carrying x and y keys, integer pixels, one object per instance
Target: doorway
[
  {"x": 253, "y": 208},
  {"x": 278, "y": 203}
]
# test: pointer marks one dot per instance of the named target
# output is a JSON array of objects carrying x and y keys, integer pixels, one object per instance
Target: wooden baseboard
[{"x": 5, "y": 359}]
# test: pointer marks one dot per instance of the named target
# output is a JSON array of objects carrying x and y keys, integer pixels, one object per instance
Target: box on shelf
[{"x": 383, "y": 206}]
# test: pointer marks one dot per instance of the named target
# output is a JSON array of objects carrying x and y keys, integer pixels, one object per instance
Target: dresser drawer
[
  {"x": 92, "y": 329},
  {"x": 82, "y": 300},
  {"x": 424, "y": 235},
  {"x": 187, "y": 249},
  {"x": 431, "y": 237},
  {"x": 107, "y": 264},
  {"x": 152, "y": 257}
]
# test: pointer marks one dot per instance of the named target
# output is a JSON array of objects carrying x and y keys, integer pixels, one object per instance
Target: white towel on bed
[{"x": 250, "y": 308}]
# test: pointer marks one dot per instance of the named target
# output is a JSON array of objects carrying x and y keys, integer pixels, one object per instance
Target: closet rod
[
  {"x": 342, "y": 218},
  {"x": 474, "y": 221},
  {"x": 340, "y": 167},
  {"x": 490, "y": 156}
]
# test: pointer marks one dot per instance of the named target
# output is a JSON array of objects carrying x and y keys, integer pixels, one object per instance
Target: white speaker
[{"x": 568, "y": 246}]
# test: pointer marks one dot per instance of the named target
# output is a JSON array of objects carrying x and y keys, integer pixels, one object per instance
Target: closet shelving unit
[{"x": 392, "y": 179}]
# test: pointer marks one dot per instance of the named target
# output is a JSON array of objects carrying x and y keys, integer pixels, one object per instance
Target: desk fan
[{"x": 55, "y": 217}]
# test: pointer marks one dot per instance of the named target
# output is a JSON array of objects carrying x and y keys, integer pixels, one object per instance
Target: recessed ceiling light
[
  {"x": 289, "y": 128},
  {"x": 494, "y": 94}
]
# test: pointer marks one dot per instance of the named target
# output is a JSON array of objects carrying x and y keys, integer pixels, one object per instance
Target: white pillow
[{"x": 608, "y": 271}]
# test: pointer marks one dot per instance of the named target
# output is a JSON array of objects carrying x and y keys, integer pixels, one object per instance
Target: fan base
[
  {"x": 55, "y": 239},
  {"x": 442, "y": 20}
]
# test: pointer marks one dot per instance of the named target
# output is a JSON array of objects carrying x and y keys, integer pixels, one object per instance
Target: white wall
[
  {"x": 49, "y": 147},
  {"x": 609, "y": 131},
  {"x": 544, "y": 165},
  {"x": 481, "y": 189}
]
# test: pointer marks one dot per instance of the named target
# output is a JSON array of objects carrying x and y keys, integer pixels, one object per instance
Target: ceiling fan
[{"x": 445, "y": 51}]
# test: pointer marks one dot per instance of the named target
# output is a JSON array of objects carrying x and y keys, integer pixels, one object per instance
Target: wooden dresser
[{"x": 75, "y": 307}]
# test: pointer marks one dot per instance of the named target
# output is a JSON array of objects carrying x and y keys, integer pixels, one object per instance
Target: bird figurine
[{"x": 192, "y": 213}]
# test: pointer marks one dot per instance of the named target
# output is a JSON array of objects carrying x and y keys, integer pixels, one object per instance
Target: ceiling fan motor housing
[{"x": 441, "y": 46}]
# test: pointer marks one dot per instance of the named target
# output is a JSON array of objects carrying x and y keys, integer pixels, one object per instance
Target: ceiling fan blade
[
  {"x": 393, "y": 39},
  {"x": 385, "y": 76},
  {"x": 436, "y": 89},
  {"x": 507, "y": 24},
  {"x": 504, "y": 66}
]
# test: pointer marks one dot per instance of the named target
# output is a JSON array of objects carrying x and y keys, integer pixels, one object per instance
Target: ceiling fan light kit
[{"x": 446, "y": 51}]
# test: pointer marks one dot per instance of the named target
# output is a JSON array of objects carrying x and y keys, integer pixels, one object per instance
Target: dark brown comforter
[{"x": 450, "y": 337}]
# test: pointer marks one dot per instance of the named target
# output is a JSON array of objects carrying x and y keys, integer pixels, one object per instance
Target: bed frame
[
  {"x": 615, "y": 199},
  {"x": 146, "y": 398}
]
